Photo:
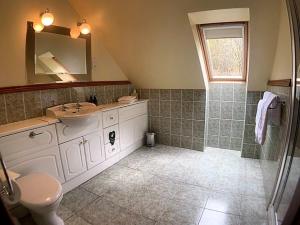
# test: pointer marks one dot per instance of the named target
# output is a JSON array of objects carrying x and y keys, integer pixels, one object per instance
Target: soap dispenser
[{"x": 91, "y": 99}]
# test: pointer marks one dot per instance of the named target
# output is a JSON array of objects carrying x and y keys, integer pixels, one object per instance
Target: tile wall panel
[
  {"x": 250, "y": 148},
  {"x": 226, "y": 115},
  {"x": 177, "y": 116},
  {"x": 25, "y": 105}
]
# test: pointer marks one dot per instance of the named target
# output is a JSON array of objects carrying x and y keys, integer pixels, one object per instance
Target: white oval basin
[{"x": 73, "y": 114}]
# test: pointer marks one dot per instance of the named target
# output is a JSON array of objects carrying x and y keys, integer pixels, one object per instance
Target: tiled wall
[
  {"x": 25, "y": 105},
  {"x": 250, "y": 148},
  {"x": 226, "y": 114},
  {"x": 274, "y": 145},
  {"x": 177, "y": 116}
]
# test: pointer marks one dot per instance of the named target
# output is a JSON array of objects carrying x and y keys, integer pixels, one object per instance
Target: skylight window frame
[{"x": 211, "y": 78}]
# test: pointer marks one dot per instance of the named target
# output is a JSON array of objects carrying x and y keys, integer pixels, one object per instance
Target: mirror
[{"x": 52, "y": 56}]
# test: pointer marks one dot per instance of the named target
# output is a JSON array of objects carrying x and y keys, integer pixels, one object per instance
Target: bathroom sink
[{"x": 74, "y": 114}]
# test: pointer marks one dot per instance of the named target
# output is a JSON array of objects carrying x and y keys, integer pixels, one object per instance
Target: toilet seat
[{"x": 39, "y": 190}]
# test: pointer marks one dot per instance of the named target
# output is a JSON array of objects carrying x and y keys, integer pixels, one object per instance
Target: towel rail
[{"x": 281, "y": 103}]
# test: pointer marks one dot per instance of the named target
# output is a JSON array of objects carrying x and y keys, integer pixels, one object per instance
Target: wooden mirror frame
[{"x": 32, "y": 78}]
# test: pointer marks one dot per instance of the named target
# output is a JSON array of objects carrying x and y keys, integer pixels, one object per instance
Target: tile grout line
[{"x": 230, "y": 138}]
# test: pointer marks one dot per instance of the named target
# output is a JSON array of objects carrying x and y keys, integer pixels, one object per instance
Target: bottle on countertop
[
  {"x": 95, "y": 101},
  {"x": 91, "y": 99}
]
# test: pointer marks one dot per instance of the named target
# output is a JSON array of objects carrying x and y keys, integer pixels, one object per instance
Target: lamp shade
[
  {"x": 38, "y": 27},
  {"x": 85, "y": 28},
  {"x": 47, "y": 18}
]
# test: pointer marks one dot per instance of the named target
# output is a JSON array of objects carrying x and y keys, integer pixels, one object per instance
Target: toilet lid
[{"x": 39, "y": 189}]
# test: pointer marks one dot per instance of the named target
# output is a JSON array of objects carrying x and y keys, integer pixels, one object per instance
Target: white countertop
[
  {"x": 23, "y": 125},
  {"x": 117, "y": 105},
  {"x": 16, "y": 127}
]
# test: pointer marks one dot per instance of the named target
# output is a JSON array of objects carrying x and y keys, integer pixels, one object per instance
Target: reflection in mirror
[
  {"x": 53, "y": 56},
  {"x": 59, "y": 54}
]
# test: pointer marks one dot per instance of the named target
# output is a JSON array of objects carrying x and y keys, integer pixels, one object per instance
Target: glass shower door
[{"x": 288, "y": 183}]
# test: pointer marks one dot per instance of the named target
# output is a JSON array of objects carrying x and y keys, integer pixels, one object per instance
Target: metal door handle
[{"x": 32, "y": 134}]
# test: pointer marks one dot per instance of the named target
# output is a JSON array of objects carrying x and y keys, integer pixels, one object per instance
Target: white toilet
[{"x": 41, "y": 195}]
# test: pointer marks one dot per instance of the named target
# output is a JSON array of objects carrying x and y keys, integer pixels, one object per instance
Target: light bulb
[
  {"x": 74, "y": 32},
  {"x": 38, "y": 27},
  {"x": 85, "y": 28},
  {"x": 47, "y": 18}
]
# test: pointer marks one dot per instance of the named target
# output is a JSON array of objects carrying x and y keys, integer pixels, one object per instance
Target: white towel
[{"x": 262, "y": 116}]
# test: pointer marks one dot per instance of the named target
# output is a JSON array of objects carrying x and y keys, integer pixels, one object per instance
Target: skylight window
[{"x": 225, "y": 50}]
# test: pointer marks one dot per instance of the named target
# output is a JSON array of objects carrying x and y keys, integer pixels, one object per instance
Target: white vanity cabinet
[
  {"x": 81, "y": 154},
  {"x": 133, "y": 124},
  {"x": 93, "y": 146},
  {"x": 127, "y": 133},
  {"x": 111, "y": 148},
  {"x": 73, "y": 158},
  {"x": 75, "y": 154},
  {"x": 34, "y": 150}
]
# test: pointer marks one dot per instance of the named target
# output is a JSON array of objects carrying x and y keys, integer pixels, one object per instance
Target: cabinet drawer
[
  {"x": 21, "y": 144},
  {"x": 132, "y": 111},
  {"x": 110, "y": 118},
  {"x": 108, "y": 130},
  {"x": 111, "y": 150}
]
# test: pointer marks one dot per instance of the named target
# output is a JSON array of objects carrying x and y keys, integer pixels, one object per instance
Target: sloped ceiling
[{"x": 153, "y": 43}]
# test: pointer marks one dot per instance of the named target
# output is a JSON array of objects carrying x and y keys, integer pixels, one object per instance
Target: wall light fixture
[
  {"x": 47, "y": 18},
  {"x": 85, "y": 28},
  {"x": 38, "y": 27}
]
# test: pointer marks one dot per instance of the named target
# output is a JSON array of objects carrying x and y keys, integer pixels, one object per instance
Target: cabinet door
[
  {"x": 141, "y": 127},
  {"x": 73, "y": 158},
  {"x": 126, "y": 133},
  {"x": 93, "y": 149},
  {"x": 47, "y": 161}
]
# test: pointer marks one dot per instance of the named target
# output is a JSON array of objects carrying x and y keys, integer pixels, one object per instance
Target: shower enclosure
[{"x": 284, "y": 201}]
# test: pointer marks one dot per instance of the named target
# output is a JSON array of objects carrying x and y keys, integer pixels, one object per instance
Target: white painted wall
[
  {"x": 282, "y": 67},
  {"x": 153, "y": 43},
  {"x": 14, "y": 16}
]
